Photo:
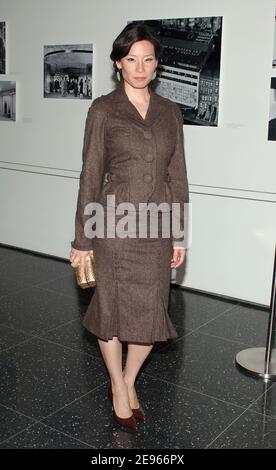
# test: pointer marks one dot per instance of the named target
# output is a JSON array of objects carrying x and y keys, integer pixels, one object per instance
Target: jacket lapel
[{"x": 124, "y": 105}]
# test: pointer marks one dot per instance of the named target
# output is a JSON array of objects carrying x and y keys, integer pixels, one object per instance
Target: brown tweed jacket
[{"x": 135, "y": 159}]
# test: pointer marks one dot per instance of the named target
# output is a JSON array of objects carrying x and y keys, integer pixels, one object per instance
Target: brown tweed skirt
[{"x": 131, "y": 297}]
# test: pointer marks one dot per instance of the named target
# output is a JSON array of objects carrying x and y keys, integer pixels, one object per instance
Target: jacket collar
[{"x": 154, "y": 112}]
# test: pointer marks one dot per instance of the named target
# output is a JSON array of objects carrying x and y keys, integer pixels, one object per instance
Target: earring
[
  {"x": 118, "y": 75},
  {"x": 154, "y": 75}
]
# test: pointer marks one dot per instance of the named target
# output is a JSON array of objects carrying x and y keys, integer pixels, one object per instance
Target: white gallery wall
[{"x": 231, "y": 168}]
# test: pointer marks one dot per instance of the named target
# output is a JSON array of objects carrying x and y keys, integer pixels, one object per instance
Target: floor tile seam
[
  {"x": 208, "y": 321},
  {"x": 54, "y": 291},
  {"x": 224, "y": 430},
  {"x": 18, "y": 433},
  {"x": 172, "y": 342},
  {"x": 27, "y": 333},
  {"x": 94, "y": 356},
  {"x": 195, "y": 391},
  {"x": 225, "y": 339},
  {"x": 181, "y": 337},
  {"x": 245, "y": 411},
  {"x": 12, "y": 293},
  {"x": 219, "y": 297},
  {"x": 255, "y": 308},
  {"x": 41, "y": 420},
  {"x": 68, "y": 435},
  {"x": 195, "y": 331},
  {"x": 28, "y": 426},
  {"x": 70, "y": 296},
  {"x": 16, "y": 345},
  {"x": 37, "y": 336},
  {"x": 17, "y": 412},
  {"x": 54, "y": 328},
  {"x": 10, "y": 438},
  {"x": 261, "y": 414},
  {"x": 69, "y": 348},
  {"x": 72, "y": 402},
  {"x": 269, "y": 386},
  {"x": 230, "y": 307}
]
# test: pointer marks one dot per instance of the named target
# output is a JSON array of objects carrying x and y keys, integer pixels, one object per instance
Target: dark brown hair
[{"x": 132, "y": 33}]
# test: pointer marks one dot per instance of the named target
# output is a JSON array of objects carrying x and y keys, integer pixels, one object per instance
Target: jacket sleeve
[
  {"x": 92, "y": 172},
  {"x": 178, "y": 178}
]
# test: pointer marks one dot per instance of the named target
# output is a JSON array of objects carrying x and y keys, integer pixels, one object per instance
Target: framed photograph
[
  {"x": 2, "y": 47},
  {"x": 189, "y": 70},
  {"x": 7, "y": 101},
  {"x": 68, "y": 71},
  {"x": 272, "y": 110},
  {"x": 274, "y": 43}
]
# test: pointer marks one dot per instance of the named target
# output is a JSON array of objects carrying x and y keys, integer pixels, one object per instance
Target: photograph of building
[
  {"x": 189, "y": 70},
  {"x": 272, "y": 110},
  {"x": 7, "y": 101}
]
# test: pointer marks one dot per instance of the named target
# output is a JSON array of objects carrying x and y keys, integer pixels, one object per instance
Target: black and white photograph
[
  {"x": 2, "y": 47},
  {"x": 189, "y": 70},
  {"x": 7, "y": 101},
  {"x": 274, "y": 43},
  {"x": 272, "y": 111},
  {"x": 68, "y": 71}
]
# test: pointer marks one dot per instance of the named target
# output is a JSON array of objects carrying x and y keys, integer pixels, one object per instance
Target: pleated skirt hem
[
  {"x": 131, "y": 297},
  {"x": 162, "y": 327},
  {"x": 132, "y": 339}
]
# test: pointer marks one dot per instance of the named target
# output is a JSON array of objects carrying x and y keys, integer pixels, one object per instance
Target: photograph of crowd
[{"x": 68, "y": 71}]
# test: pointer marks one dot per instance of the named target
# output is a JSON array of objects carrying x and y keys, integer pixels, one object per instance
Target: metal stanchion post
[{"x": 261, "y": 362}]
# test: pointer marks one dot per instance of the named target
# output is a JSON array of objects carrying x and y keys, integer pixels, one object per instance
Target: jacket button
[
  {"x": 148, "y": 157},
  {"x": 147, "y": 134},
  {"x": 147, "y": 178}
]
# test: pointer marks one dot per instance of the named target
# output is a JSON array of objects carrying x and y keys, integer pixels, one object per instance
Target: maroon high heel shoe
[
  {"x": 130, "y": 422},
  {"x": 137, "y": 412}
]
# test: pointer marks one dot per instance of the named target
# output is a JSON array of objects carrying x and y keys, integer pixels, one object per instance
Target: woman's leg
[
  {"x": 136, "y": 355},
  {"x": 112, "y": 354}
]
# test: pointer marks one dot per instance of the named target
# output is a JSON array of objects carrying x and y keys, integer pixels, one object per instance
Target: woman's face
[{"x": 139, "y": 64}]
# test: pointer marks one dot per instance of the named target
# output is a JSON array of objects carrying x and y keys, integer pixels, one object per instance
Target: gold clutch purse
[{"x": 88, "y": 279}]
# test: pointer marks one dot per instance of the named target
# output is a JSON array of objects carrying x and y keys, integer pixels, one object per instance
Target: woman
[{"x": 135, "y": 137}]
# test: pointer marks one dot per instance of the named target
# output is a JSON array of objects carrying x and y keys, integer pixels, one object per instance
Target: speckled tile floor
[{"x": 54, "y": 382}]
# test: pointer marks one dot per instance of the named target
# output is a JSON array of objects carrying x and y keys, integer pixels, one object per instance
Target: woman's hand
[
  {"x": 178, "y": 257},
  {"x": 76, "y": 256}
]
